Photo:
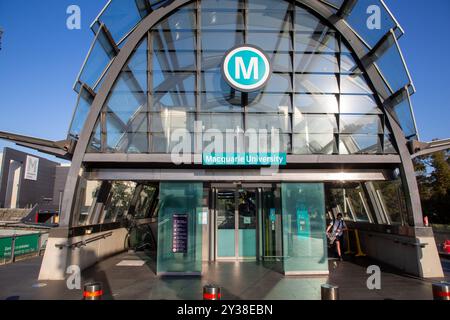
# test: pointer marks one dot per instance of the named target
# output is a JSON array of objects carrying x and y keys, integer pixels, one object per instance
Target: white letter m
[{"x": 252, "y": 68}]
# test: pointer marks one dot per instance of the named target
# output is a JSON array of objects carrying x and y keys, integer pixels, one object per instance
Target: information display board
[{"x": 180, "y": 233}]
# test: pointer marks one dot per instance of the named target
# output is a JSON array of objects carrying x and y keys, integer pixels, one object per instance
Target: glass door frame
[{"x": 257, "y": 188}]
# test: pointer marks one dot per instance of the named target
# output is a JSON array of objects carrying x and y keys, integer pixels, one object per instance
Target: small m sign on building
[
  {"x": 32, "y": 168},
  {"x": 246, "y": 68}
]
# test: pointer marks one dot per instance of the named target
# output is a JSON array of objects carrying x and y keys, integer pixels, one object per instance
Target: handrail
[{"x": 83, "y": 243}]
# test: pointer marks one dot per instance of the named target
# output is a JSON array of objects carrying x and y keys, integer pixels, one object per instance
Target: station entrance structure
[{"x": 338, "y": 100}]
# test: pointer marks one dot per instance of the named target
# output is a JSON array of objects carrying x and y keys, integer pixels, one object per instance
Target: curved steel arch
[{"x": 322, "y": 11}]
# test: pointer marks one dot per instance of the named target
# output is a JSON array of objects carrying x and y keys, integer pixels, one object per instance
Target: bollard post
[
  {"x": 211, "y": 292},
  {"x": 441, "y": 291},
  {"x": 93, "y": 291},
  {"x": 329, "y": 292}
]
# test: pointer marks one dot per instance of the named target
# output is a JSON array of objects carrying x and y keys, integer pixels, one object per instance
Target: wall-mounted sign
[
  {"x": 244, "y": 159},
  {"x": 246, "y": 68},
  {"x": 180, "y": 233},
  {"x": 32, "y": 168}
]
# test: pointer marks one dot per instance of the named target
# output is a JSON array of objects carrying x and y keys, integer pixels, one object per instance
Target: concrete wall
[
  {"x": 57, "y": 260},
  {"x": 414, "y": 255},
  {"x": 59, "y": 184}
]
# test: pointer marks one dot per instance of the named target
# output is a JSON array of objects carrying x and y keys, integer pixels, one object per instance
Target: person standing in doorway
[{"x": 338, "y": 228}]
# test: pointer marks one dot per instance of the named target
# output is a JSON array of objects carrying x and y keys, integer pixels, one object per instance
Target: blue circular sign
[{"x": 246, "y": 68}]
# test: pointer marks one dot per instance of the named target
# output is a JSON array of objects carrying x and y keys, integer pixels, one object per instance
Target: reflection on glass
[
  {"x": 304, "y": 239},
  {"x": 360, "y": 124},
  {"x": 226, "y": 222},
  {"x": 315, "y": 103},
  {"x": 312, "y": 143},
  {"x": 316, "y": 83},
  {"x": 180, "y": 206},
  {"x": 359, "y": 144}
]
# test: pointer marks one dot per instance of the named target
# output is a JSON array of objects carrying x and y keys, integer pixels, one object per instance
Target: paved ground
[{"x": 247, "y": 281}]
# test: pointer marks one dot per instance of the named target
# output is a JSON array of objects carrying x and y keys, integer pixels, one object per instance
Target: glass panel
[
  {"x": 270, "y": 19},
  {"x": 358, "y": 124},
  {"x": 368, "y": 29},
  {"x": 174, "y": 61},
  {"x": 119, "y": 200},
  {"x": 359, "y": 144},
  {"x": 81, "y": 113},
  {"x": 315, "y": 123},
  {"x": 392, "y": 198},
  {"x": 272, "y": 226},
  {"x": 348, "y": 64},
  {"x": 183, "y": 19},
  {"x": 265, "y": 102},
  {"x": 323, "y": 143},
  {"x": 99, "y": 57},
  {"x": 281, "y": 62},
  {"x": 318, "y": 63},
  {"x": 226, "y": 223},
  {"x": 357, "y": 202},
  {"x": 213, "y": 81},
  {"x": 223, "y": 4},
  {"x": 354, "y": 84},
  {"x": 267, "y": 5},
  {"x": 270, "y": 41},
  {"x": 174, "y": 41},
  {"x": 222, "y": 20},
  {"x": 389, "y": 147},
  {"x": 173, "y": 101},
  {"x": 314, "y": 103},
  {"x": 268, "y": 142},
  {"x": 304, "y": 239},
  {"x": 179, "y": 231},
  {"x": 281, "y": 122},
  {"x": 221, "y": 122},
  {"x": 95, "y": 143},
  {"x": 129, "y": 137},
  {"x": 173, "y": 81},
  {"x": 316, "y": 42},
  {"x": 316, "y": 83},
  {"x": 405, "y": 117},
  {"x": 221, "y": 41},
  {"x": 359, "y": 104},
  {"x": 86, "y": 199},
  {"x": 144, "y": 201},
  {"x": 120, "y": 17},
  {"x": 279, "y": 83},
  {"x": 247, "y": 223},
  {"x": 230, "y": 101},
  {"x": 393, "y": 69},
  {"x": 307, "y": 22},
  {"x": 166, "y": 142},
  {"x": 170, "y": 120}
]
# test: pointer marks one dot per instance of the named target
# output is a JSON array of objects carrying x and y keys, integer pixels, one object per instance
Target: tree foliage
[{"x": 433, "y": 177}]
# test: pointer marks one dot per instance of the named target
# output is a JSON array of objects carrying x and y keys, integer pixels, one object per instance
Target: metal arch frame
[{"x": 322, "y": 11}]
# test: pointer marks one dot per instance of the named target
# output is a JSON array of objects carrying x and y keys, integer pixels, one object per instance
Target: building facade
[
  {"x": 27, "y": 180},
  {"x": 240, "y": 128}
]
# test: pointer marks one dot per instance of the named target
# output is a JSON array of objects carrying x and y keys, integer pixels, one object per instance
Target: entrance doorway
[{"x": 236, "y": 223}]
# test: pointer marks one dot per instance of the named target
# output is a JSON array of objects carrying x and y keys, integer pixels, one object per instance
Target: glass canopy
[
  {"x": 120, "y": 17},
  {"x": 317, "y": 98}
]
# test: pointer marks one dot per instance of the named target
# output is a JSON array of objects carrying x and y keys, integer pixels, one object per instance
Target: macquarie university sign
[{"x": 246, "y": 68}]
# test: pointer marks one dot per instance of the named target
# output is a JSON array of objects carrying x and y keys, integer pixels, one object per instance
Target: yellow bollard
[
  {"x": 358, "y": 245},
  {"x": 349, "y": 249}
]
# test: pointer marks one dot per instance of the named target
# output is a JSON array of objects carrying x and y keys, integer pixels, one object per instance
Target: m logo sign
[{"x": 246, "y": 68}]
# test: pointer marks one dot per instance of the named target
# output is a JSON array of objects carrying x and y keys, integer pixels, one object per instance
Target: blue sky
[{"x": 40, "y": 59}]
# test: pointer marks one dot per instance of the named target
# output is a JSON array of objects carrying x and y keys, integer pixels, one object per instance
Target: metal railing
[{"x": 84, "y": 243}]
